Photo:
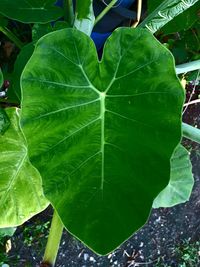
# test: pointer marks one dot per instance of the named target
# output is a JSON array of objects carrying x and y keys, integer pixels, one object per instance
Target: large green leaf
[
  {"x": 102, "y": 133},
  {"x": 181, "y": 181},
  {"x": 165, "y": 12},
  {"x": 182, "y": 22},
  {"x": 84, "y": 18},
  {"x": 30, "y": 11},
  {"x": 21, "y": 194}
]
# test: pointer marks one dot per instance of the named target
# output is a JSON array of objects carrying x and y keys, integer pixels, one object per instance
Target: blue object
[
  {"x": 59, "y": 3},
  {"x": 99, "y": 38},
  {"x": 125, "y": 3}
]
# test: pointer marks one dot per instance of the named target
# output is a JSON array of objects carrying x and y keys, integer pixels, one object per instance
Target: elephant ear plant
[{"x": 98, "y": 139}]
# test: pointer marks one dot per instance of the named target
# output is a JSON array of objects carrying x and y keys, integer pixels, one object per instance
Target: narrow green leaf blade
[
  {"x": 181, "y": 181},
  {"x": 21, "y": 195},
  {"x": 165, "y": 12},
  {"x": 84, "y": 17},
  {"x": 31, "y": 11},
  {"x": 101, "y": 133}
]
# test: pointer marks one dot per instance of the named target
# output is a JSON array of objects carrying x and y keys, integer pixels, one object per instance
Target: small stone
[
  {"x": 85, "y": 256},
  {"x": 141, "y": 245},
  {"x": 110, "y": 255},
  {"x": 158, "y": 220},
  {"x": 92, "y": 259}
]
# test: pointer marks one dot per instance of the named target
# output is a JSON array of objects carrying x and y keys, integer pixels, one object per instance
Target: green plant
[
  {"x": 188, "y": 253},
  {"x": 35, "y": 233},
  {"x": 87, "y": 126}
]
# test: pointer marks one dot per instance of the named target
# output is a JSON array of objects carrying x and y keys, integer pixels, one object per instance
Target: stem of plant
[
  {"x": 105, "y": 11},
  {"x": 69, "y": 11},
  {"x": 196, "y": 101},
  {"x": 191, "y": 132},
  {"x": 139, "y": 12},
  {"x": 53, "y": 242},
  {"x": 12, "y": 37},
  {"x": 190, "y": 66}
]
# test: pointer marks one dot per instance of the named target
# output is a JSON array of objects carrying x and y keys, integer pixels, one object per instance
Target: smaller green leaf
[
  {"x": 165, "y": 12},
  {"x": 84, "y": 18},
  {"x": 181, "y": 181},
  {"x": 21, "y": 194},
  {"x": 7, "y": 231},
  {"x": 4, "y": 122},
  {"x": 31, "y": 11}
]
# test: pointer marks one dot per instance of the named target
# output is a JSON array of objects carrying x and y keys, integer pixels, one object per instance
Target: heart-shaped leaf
[
  {"x": 102, "y": 133},
  {"x": 181, "y": 181},
  {"x": 31, "y": 11},
  {"x": 21, "y": 194}
]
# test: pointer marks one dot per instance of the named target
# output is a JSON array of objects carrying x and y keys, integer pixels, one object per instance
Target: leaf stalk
[
  {"x": 191, "y": 132},
  {"x": 186, "y": 67},
  {"x": 53, "y": 241},
  {"x": 69, "y": 11},
  {"x": 11, "y": 36},
  {"x": 139, "y": 12},
  {"x": 105, "y": 11}
]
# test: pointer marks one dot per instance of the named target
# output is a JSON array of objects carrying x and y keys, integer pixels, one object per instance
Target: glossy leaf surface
[
  {"x": 84, "y": 19},
  {"x": 165, "y": 12},
  {"x": 101, "y": 133},
  {"x": 30, "y": 11},
  {"x": 21, "y": 194},
  {"x": 181, "y": 181}
]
